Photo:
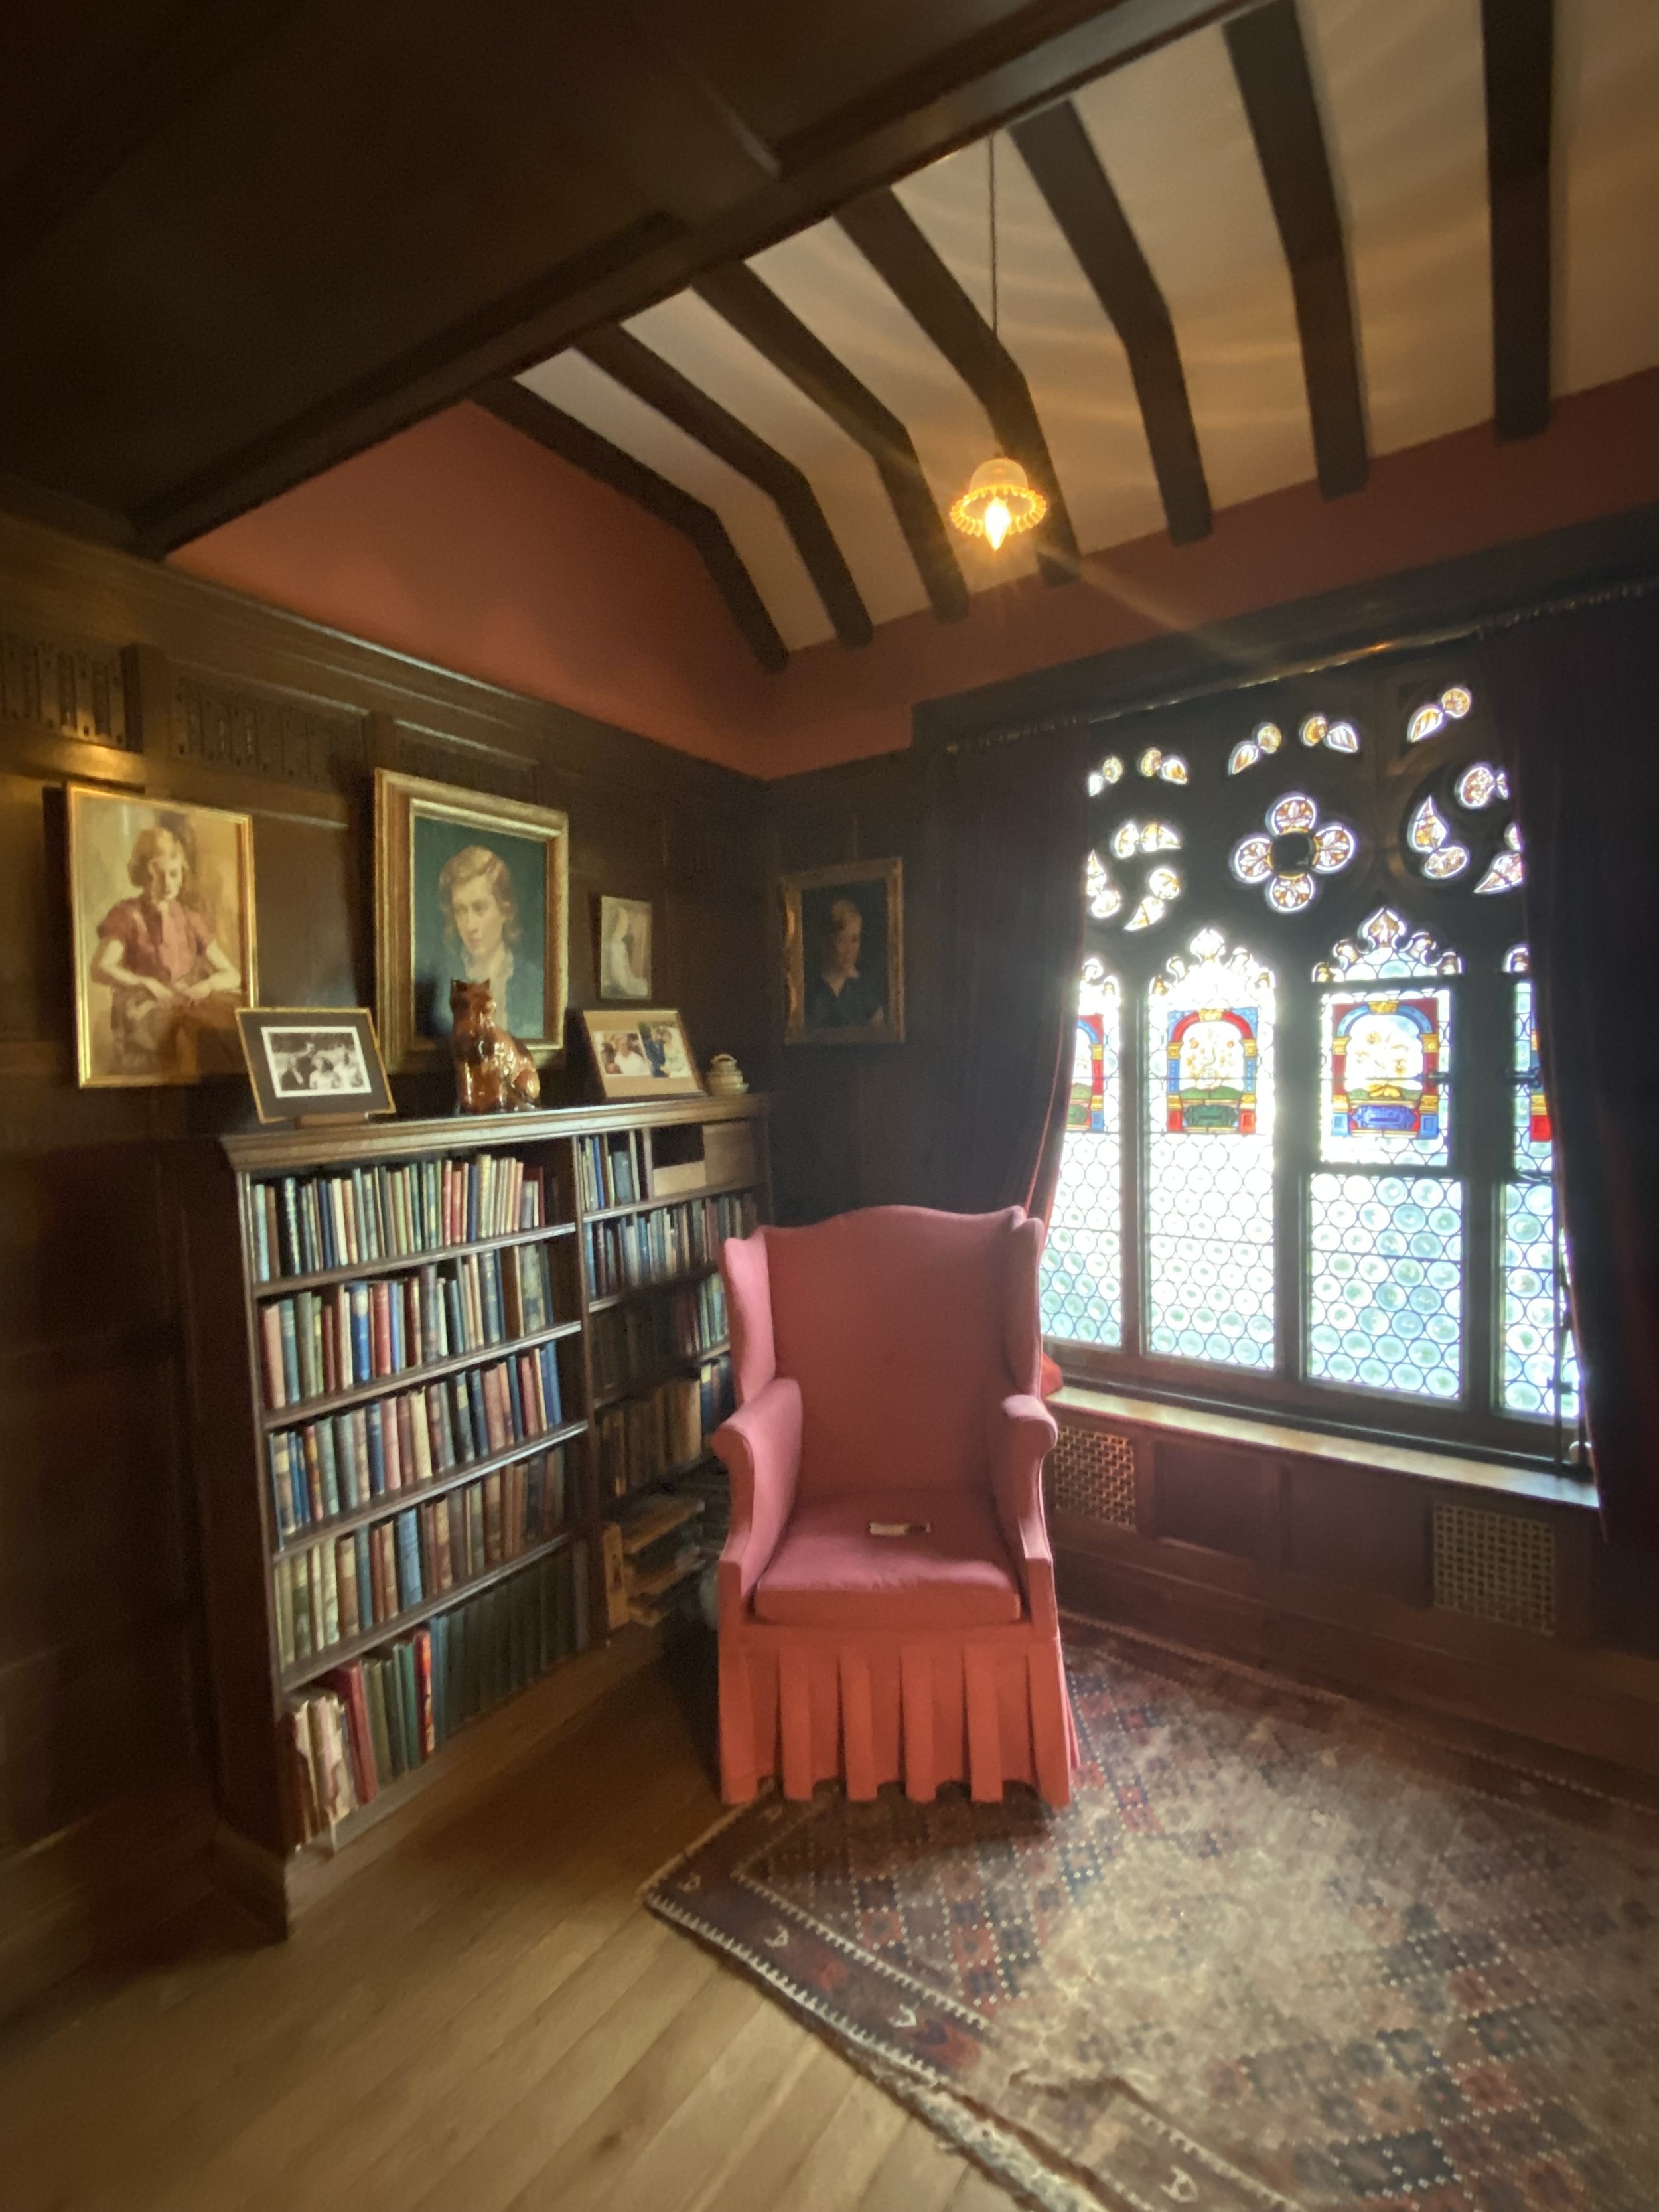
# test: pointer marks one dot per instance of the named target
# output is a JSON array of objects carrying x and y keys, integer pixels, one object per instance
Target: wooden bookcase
[{"x": 669, "y": 1156}]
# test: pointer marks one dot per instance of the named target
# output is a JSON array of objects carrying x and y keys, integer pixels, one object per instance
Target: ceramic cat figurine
[{"x": 493, "y": 1074}]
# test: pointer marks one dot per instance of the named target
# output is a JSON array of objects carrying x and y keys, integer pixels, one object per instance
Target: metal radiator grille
[
  {"x": 1495, "y": 1566},
  {"x": 1092, "y": 1474}
]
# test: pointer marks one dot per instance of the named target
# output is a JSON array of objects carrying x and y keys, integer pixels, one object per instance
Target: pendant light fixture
[{"x": 1000, "y": 500}]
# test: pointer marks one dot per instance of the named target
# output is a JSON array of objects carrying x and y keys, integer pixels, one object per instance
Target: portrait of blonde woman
[
  {"x": 162, "y": 900},
  {"x": 480, "y": 916}
]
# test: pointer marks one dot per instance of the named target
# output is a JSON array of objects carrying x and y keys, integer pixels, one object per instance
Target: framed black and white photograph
[{"x": 313, "y": 1062}]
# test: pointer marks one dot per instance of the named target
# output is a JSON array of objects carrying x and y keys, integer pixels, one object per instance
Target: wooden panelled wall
[
  {"x": 129, "y": 676},
  {"x": 1326, "y": 1568}
]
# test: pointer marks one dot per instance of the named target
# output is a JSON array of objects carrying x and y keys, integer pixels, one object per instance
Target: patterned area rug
[{"x": 1276, "y": 1951}]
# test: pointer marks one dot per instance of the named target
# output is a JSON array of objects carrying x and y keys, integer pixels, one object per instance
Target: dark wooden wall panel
[
  {"x": 1220, "y": 1501},
  {"x": 140, "y": 678}
]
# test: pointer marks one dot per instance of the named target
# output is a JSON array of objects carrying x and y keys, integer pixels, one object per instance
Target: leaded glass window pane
[
  {"x": 1082, "y": 1295},
  {"x": 1209, "y": 1159},
  {"x": 1540, "y": 1359},
  {"x": 1385, "y": 1283}
]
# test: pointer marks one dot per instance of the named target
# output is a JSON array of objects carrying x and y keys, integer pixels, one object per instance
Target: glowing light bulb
[{"x": 997, "y": 520}]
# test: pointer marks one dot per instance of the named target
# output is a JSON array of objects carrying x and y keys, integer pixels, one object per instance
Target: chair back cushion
[{"x": 903, "y": 1327}]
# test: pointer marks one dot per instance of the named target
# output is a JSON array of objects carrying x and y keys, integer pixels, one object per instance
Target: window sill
[{"x": 1254, "y": 1434}]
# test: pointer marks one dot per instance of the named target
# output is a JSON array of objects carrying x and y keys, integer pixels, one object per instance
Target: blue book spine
[
  {"x": 376, "y": 1450},
  {"x": 395, "y": 1324},
  {"x": 549, "y": 1356},
  {"x": 282, "y": 1485},
  {"x": 409, "y": 1591},
  {"x": 365, "y": 1577},
  {"x": 464, "y": 1420},
  {"x": 476, "y": 1400},
  {"x": 490, "y": 1297},
  {"x": 291, "y": 1393},
  {"x": 439, "y": 1628},
  {"x": 354, "y": 1457},
  {"x": 514, "y": 1400},
  {"x": 362, "y": 1335},
  {"x": 457, "y": 1330}
]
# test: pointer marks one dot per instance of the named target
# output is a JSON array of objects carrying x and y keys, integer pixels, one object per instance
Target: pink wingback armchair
[{"x": 886, "y": 1366}]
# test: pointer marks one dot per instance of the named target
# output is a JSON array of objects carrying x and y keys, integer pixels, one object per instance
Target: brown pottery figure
[{"x": 493, "y": 1074}]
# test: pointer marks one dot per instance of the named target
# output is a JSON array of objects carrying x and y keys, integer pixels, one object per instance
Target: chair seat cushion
[{"x": 828, "y": 1572}]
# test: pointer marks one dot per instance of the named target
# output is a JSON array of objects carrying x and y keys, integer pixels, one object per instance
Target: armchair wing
[
  {"x": 1022, "y": 1433},
  {"x": 760, "y": 1448}
]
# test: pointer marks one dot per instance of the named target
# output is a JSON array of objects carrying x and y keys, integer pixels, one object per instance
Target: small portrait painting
[
  {"x": 162, "y": 898},
  {"x": 313, "y": 1062},
  {"x": 640, "y": 1055},
  {"x": 844, "y": 954},
  {"x": 624, "y": 961},
  {"x": 469, "y": 890}
]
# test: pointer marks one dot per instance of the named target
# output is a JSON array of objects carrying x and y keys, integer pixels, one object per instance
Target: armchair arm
[
  {"x": 1022, "y": 1432},
  {"x": 760, "y": 1446}
]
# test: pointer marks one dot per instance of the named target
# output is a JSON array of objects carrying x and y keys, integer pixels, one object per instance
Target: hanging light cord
[{"x": 991, "y": 149}]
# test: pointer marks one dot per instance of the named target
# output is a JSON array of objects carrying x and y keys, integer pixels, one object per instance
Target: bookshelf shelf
[
  {"x": 411, "y": 1378},
  {"x": 297, "y": 1758},
  {"x": 319, "y": 1663},
  {"x": 282, "y": 1286},
  {"x": 400, "y": 1501}
]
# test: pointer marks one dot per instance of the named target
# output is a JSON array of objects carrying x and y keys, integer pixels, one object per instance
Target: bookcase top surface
[{"x": 262, "y": 1150}]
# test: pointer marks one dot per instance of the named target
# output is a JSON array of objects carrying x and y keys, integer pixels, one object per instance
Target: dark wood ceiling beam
[
  {"x": 650, "y": 378},
  {"x": 900, "y": 252},
  {"x": 1044, "y": 50},
  {"x": 777, "y": 333},
  {"x": 1519, "y": 39},
  {"x": 1271, "y": 64},
  {"x": 572, "y": 441},
  {"x": 115, "y": 119},
  {"x": 1060, "y": 153}
]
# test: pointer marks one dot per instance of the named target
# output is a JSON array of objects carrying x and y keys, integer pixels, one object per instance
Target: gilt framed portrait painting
[
  {"x": 162, "y": 916},
  {"x": 468, "y": 889},
  {"x": 843, "y": 954}
]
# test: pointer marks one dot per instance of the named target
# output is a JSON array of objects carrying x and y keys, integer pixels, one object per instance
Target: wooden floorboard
[{"x": 483, "y": 2020}]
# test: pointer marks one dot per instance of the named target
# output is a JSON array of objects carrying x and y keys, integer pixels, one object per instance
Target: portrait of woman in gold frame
[{"x": 473, "y": 889}]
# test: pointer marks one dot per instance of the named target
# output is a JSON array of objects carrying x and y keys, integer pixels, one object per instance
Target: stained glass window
[
  {"x": 1508, "y": 869},
  {"x": 1382, "y": 1063},
  {"x": 1454, "y": 702},
  {"x": 1081, "y": 1280},
  {"x": 1266, "y": 738},
  {"x": 1209, "y": 1173},
  {"x": 1335, "y": 737},
  {"x": 1385, "y": 1284},
  {"x": 1295, "y": 849},
  {"x": 1170, "y": 768},
  {"x": 1109, "y": 771},
  {"x": 1539, "y": 1360}
]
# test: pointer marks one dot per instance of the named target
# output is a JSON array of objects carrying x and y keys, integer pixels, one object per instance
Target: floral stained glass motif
[
  {"x": 1385, "y": 1287},
  {"x": 1266, "y": 738},
  {"x": 1209, "y": 1283},
  {"x": 1454, "y": 702},
  {"x": 1132, "y": 837},
  {"x": 1168, "y": 767},
  {"x": 1508, "y": 871},
  {"x": 1429, "y": 835},
  {"x": 1163, "y": 889},
  {"x": 1335, "y": 737},
  {"x": 1081, "y": 1281},
  {"x": 1386, "y": 947},
  {"x": 1109, "y": 771},
  {"x": 1104, "y": 898},
  {"x": 1296, "y": 848},
  {"x": 1384, "y": 1063},
  {"x": 1540, "y": 1360},
  {"x": 1480, "y": 784}
]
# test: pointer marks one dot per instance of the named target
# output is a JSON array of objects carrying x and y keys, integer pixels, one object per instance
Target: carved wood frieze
[{"x": 74, "y": 690}]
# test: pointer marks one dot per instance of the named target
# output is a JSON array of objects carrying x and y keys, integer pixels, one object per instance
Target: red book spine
[
  {"x": 424, "y": 1689},
  {"x": 271, "y": 1346},
  {"x": 347, "y": 1683},
  {"x": 381, "y": 1313}
]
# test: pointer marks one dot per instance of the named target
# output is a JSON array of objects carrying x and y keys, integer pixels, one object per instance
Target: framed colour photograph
[
  {"x": 641, "y": 1054},
  {"x": 472, "y": 889},
  {"x": 843, "y": 954},
  {"x": 313, "y": 1063},
  {"x": 162, "y": 922}
]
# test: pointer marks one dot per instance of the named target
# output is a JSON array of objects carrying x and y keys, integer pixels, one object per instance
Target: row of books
[
  {"x": 303, "y": 1223},
  {"x": 366, "y": 1723},
  {"x": 669, "y": 1239},
  {"x": 642, "y": 1439},
  {"x": 634, "y": 1342},
  {"x": 326, "y": 1468},
  {"x": 651, "y": 1560},
  {"x": 316, "y": 1342},
  {"x": 329, "y": 1592},
  {"x": 606, "y": 1173}
]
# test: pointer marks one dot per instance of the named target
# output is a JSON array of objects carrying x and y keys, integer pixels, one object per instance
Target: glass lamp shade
[{"x": 1000, "y": 503}]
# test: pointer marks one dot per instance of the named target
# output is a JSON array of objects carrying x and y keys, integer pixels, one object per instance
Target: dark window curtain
[
  {"x": 1017, "y": 830},
  {"x": 1577, "y": 697}
]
